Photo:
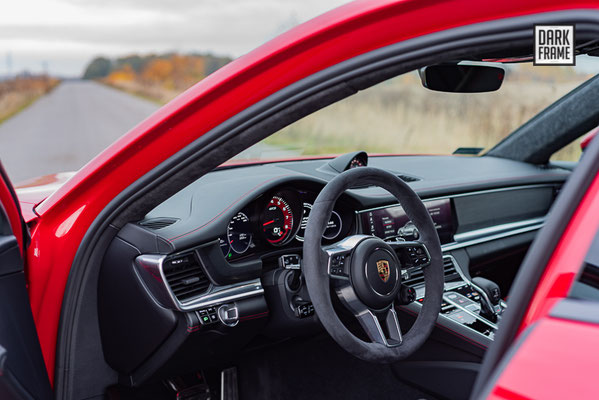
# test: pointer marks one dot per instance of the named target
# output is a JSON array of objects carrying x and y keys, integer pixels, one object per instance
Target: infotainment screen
[{"x": 392, "y": 221}]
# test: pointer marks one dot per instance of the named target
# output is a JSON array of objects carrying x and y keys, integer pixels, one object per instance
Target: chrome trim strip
[
  {"x": 479, "y": 233},
  {"x": 237, "y": 292},
  {"x": 456, "y": 245},
  {"x": 150, "y": 271}
]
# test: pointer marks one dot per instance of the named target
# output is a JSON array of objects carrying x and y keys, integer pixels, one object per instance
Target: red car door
[
  {"x": 555, "y": 353},
  {"x": 22, "y": 370}
]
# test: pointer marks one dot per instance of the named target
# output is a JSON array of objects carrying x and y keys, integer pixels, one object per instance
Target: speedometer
[
  {"x": 277, "y": 221},
  {"x": 239, "y": 233}
]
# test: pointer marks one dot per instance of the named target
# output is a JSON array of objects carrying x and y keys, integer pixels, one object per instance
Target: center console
[
  {"x": 471, "y": 306},
  {"x": 463, "y": 300}
]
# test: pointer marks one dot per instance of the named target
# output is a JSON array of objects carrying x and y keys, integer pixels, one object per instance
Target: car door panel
[{"x": 22, "y": 371}]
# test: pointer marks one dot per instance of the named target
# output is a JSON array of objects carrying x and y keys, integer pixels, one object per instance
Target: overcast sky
[{"x": 63, "y": 35}]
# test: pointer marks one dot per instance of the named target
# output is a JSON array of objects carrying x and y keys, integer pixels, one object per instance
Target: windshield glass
[{"x": 400, "y": 116}]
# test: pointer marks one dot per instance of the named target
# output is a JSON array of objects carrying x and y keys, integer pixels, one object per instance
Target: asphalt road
[{"x": 65, "y": 129}]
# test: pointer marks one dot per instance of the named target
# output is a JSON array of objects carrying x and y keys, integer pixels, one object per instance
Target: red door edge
[
  {"x": 12, "y": 208},
  {"x": 567, "y": 259}
]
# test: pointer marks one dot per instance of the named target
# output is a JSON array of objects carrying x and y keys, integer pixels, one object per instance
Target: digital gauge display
[
  {"x": 277, "y": 221},
  {"x": 392, "y": 221},
  {"x": 239, "y": 233},
  {"x": 332, "y": 231}
]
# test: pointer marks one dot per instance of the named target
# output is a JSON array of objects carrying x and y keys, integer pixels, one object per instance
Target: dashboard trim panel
[
  {"x": 151, "y": 273},
  {"x": 497, "y": 229},
  {"x": 459, "y": 245},
  {"x": 465, "y": 194}
]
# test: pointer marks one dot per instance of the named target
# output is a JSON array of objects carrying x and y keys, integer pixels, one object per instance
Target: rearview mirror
[{"x": 462, "y": 78}]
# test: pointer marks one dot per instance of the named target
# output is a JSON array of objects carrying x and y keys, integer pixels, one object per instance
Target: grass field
[
  {"x": 17, "y": 94},
  {"x": 400, "y": 116}
]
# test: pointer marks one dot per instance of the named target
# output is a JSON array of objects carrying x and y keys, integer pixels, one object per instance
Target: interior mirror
[{"x": 462, "y": 78}]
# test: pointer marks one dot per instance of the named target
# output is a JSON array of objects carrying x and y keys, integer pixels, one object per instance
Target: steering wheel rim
[{"x": 353, "y": 283}]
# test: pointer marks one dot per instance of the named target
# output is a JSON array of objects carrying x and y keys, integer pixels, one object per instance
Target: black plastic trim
[
  {"x": 577, "y": 310},
  {"x": 220, "y": 271}
]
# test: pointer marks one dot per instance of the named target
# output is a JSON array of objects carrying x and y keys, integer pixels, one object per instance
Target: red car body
[{"x": 59, "y": 222}]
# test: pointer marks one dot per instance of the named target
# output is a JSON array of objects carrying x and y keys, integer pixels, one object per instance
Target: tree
[{"x": 100, "y": 67}]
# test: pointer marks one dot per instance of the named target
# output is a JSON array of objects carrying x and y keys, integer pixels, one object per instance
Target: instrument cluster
[{"x": 278, "y": 219}]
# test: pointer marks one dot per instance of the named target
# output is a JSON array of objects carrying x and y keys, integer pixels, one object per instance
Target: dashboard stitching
[
  {"x": 254, "y": 316},
  {"x": 171, "y": 240}
]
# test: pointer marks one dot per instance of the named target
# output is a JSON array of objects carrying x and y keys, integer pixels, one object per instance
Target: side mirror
[{"x": 462, "y": 78}]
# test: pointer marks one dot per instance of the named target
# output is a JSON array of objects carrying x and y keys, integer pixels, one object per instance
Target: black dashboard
[{"x": 212, "y": 267}]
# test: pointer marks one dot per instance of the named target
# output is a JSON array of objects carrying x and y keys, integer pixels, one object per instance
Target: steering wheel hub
[{"x": 375, "y": 273}]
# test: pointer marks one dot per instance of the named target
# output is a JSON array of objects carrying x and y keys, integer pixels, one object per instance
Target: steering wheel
[{"x": 365, "y": 272}]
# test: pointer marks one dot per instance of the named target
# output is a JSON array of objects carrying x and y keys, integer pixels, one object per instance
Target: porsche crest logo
[{"x": 383, "y": 267}]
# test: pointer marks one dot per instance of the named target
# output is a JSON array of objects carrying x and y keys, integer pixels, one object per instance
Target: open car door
[{"x": 22, "y": 371}]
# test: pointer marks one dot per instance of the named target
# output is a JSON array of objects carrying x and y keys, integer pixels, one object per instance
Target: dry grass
[
  {"x": 400, "y": 116},
  {"x": 153, "y": 93},
  {"x": 16, "y": 94}
]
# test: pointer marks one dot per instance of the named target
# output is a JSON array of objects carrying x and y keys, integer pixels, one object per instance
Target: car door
[{"x": 22, "y": 370}]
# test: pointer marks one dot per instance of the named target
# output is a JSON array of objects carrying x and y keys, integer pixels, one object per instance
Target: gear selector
[{"x": 490, "y": 297}]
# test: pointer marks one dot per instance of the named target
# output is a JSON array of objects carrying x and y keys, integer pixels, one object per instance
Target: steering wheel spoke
[
  {"x": 389, "y": 337},
  {"x": 339, "y": 257}
]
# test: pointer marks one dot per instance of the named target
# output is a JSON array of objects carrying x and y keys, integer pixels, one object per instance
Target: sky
[{"x": 62, "y": 36}]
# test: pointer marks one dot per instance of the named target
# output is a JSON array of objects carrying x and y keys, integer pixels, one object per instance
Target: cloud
[{"x": 66, "y": 33}]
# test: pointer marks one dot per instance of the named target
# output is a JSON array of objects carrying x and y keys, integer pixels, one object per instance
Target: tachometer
[
  {"x": 277, "y": 221},
  {"x": 239, "y": 233}
]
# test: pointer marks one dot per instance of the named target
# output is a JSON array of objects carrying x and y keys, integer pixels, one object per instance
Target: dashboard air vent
[
  {"x": 408, "y": 178},
  {"x": 417, "y": 276},
  {"x": 185, "y": 277},
  {"x": 403, "y": 177},
  {"x": 158, "y": 223}
]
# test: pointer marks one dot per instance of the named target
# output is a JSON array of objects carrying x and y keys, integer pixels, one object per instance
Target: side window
[
  {"x": 571, "y": 152},
  {"x": 586, "y": 286}
]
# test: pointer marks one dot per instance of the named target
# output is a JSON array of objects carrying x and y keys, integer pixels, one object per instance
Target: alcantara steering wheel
[{"x": 365, "y": 272}]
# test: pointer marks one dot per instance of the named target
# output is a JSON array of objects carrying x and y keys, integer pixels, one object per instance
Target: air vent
[
  {"x": 417, "y": 276},
  {"x": 186, "y": 277},
  {"x": 158, "y": 223},
  {"x": 405, "y": 178},
  {"x": 408, "y": 178}
]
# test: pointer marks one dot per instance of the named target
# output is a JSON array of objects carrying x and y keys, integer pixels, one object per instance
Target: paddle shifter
[{"x": 490, "y": 296}]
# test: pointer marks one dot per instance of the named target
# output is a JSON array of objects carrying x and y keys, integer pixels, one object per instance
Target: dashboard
[
  {"x": 219, "y": 263},
  {"x": 277, "y": 220}
]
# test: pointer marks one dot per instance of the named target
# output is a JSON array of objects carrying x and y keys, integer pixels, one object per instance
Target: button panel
[
  {"x": 417, "y": 256},
  {"x": 338, "y": 265},
  {"x": 207, "y": 315},
  {"x": 304, "y": 310},
  {"x": 290, "y": 261}
]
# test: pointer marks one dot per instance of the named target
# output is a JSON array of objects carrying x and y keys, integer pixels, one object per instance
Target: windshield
[{"x": 400, "y": 116}]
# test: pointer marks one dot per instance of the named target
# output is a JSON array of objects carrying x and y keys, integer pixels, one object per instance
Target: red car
[{"x": 156, "y": 271}]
